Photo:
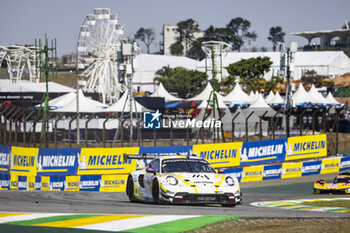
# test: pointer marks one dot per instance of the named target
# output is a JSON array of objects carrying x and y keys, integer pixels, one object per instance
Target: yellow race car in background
[{"x": 341, "y": 184}]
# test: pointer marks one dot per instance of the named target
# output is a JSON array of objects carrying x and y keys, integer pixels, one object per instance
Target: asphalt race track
[{"x": 118, "y": 203}]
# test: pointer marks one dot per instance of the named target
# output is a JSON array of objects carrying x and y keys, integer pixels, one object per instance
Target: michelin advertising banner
[
  {"x": 272, "y": 172},
  {"x": 72, "y": 184},
  {"x": 304, "y": 147},
  {"x": 100, "y": 161},
  {"x": 330, "y": 165},
  {"x": 252, "y": 174},
  {"x": 58, "y": 161},
  {"x": 166, "y": 150},
  {"x": 311, "y": 168},
  {"x": 23, "y": 161},
  {"x": 5, "y": 155},
  {"x": 344, "y": 164},
  {"x": 90, "y": 183},
  {"x": 260, "y": 152},
  {"x": 291, "y": 170},
  {"x": 113, "y": 183},
  {"x": 5, "y": 181},
  {"x": 219, "y": 154}
]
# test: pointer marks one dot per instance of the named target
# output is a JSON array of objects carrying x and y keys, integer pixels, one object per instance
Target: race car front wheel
[
  {"x": 155, "y": 191},
  {"x": 130, "y": 189}
]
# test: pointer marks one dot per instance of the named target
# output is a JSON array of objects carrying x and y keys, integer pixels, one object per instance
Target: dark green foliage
[
  {"x": 276, "y": 35},
  {"x": 184, "y": 82},
  {"x": 186, "y": 30},
  {"x": 311, "y": 77},
  {"x": 272, "y": 84},
  {"x": 176, "y": 49},
  {"x": 251, "y": 72},
  {"x": 235, "y": 33},
  {"x": 146, "y": 35},
  {"x": 196, "y": 51}
]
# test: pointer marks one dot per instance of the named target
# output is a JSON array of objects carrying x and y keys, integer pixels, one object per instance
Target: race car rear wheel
[
  {"x": 155, "y": 191},
  {"x": 130, "y": 189}
]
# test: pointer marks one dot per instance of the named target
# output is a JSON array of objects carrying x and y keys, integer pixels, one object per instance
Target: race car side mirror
[
  {"x": 221, "y": 170},
  {"x": 151, "y": 170}
]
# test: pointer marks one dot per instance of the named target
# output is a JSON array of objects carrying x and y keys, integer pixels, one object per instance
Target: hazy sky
[{"x": 24, "y": 20}]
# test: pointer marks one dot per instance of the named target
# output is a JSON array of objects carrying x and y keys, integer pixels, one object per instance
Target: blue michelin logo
[{"x": 151, "y": 120}]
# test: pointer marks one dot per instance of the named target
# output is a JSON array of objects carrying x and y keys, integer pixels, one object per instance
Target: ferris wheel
[{"x": 97, "y": 49}]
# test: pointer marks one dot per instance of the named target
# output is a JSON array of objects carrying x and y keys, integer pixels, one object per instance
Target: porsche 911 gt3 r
[
  {"x": 183, "y": 180},
  {"x": 341, "y": 184}
]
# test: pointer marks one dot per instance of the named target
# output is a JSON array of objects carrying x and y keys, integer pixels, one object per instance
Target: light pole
[{"x": 286, "y": 59}]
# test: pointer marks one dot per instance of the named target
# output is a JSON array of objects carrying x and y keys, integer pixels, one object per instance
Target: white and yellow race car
[{"x": 182, "y": 180}]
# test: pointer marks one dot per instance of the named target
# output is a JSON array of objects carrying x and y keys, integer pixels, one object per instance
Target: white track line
[
  {"x": 126, "y": 224},
  {"x": 28, "y": 216}
]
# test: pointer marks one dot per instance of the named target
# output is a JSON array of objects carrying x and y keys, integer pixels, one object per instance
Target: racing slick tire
[
  {"x": 155, "y": 191},
  {"x": 130, "y": 189},
  {"x": 317, "y": 191}
]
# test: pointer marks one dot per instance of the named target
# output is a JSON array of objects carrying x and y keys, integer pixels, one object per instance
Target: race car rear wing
[
  {"x": 145, "y": 156},
  {"x": 139, "y": 156}
]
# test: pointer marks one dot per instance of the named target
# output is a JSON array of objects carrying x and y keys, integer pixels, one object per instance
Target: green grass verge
[
  {"x": 183, "y": 224},
  {"x": 344, "y": 203},
  {"x": 50, "y": 219}
]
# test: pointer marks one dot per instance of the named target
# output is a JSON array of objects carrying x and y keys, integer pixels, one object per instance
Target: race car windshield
[
  {"x": 186, "y": 165},
  {"x": 342, "y": 180}
]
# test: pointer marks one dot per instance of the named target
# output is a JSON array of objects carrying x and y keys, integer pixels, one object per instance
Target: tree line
[
  {"x": 236, "y": 33},
  {"x": 249, "y": 72}
]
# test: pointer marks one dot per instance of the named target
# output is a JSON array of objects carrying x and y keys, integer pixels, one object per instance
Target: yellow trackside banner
[
  {"x": 220, "y": 154},
  {"x": 100, "y": 161},
  {"x": 14, "y": 182},
  {"x": 31, "y": 183},
  {"x": 304, "y": 147},
  {"x": 291, "y": 170},
  {"x": 23, "y": 161},
  {"x": 113, "y": 183},
  {"x": 252, "y": 173},
  {"x": 72, "y": 183},
  {"x": 45, "y": 183},
  {"x": 330, "y": 165}
]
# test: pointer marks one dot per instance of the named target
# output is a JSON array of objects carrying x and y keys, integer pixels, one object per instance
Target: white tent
[
  {"x": 269, "y": 97},
  {"x": 34, "y": 87},
  {"x": 119, "y": 105},
  {"x": 316, "y": 95},
  {"x": 276, "y": 100},
  {"x": 260, "y": 107},
  {"x": 204, "y": 95},
  {"x": 301, "y": 96},
  {"x": 86, "y": 105},
  {"x": 204, "y": 104},
  {"x": 162, "y": 92},
  {"x": 326, "y": 63},
  {"x": 237, "y": 96},
  {"x": 330, "y": 99},
  {"x": 60, "y": 101}
]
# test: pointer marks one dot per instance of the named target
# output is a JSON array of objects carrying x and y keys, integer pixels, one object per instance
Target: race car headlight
[
  {"x": 172, "y": 180},
  {"x": 230, "y": 181}
]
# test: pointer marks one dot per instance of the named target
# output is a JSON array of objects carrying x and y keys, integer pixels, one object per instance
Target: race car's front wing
[
  {"x": 333, "y": 191},
  {"x": 190, "y": 198}
]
